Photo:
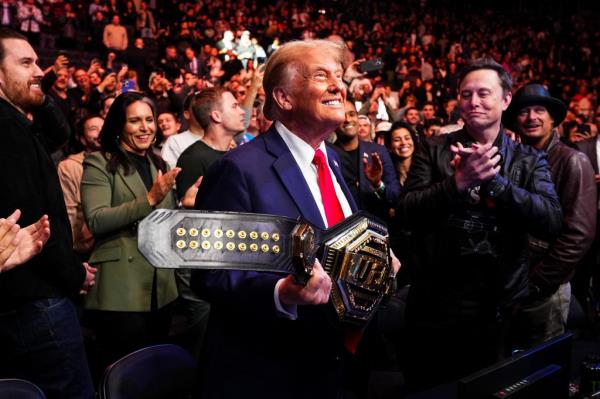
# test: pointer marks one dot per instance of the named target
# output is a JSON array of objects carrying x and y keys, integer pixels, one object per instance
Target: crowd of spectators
[{"x": 422, "y": 45}]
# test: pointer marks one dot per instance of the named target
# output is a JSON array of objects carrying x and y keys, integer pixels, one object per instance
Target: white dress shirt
[{"x": 303, "y": 154}]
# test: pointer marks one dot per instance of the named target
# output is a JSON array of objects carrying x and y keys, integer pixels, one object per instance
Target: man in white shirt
[{"x": 178, "y": 143}]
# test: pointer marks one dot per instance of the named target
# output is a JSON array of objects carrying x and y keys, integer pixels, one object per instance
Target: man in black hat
[{"x": 533, "y": 115}]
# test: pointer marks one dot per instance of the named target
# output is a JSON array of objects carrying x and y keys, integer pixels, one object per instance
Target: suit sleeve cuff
[{"x": 287, "y": 311}]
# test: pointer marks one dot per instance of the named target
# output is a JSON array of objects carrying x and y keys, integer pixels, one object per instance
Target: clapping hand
[
  {"x": 162, "y": 185},
  {"x": 90, "y": 278},
  {"x": 18, "y": 245},
  {"x": 474, "y": 165},
  {"x": 374, "y": 169}
]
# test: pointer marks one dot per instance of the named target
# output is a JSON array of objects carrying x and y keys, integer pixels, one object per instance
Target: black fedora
[{"x": 534, "y": 94}]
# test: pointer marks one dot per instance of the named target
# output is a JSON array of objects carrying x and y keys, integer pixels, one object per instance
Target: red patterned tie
[
  {"x": 334, "y": 214},
  {"x": 333, "y": 209}
]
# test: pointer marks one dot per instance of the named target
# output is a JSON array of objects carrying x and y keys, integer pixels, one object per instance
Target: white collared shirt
[
  {"x": 176, "y": 145},
  {"x": 303, "y": 153}
]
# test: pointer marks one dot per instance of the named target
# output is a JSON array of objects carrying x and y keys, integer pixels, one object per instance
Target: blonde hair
[{"x": 279, "y": 66}]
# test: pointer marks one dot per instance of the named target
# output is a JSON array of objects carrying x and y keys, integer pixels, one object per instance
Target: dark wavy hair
[
  {"x": 387, "y": 137},
  {"x": 110, "y": 135}
]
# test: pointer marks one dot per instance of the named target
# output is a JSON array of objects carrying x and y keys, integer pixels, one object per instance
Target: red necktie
[
  {"x": 333, "y": 209},
  {"x": 334, "y": 214}
]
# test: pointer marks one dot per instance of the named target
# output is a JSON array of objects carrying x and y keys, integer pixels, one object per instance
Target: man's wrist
[{"x": 379, "y": 189}]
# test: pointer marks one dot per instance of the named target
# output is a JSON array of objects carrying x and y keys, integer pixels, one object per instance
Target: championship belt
[{"x": 354, "y": 253}]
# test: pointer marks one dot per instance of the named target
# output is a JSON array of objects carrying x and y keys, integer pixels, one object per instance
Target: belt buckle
[{"x": 357, "y": 259}]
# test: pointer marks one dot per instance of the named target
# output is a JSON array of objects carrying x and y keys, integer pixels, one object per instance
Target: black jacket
[
  {"x": 477, "y": 250},
  {"x": 31, "y": 184}
]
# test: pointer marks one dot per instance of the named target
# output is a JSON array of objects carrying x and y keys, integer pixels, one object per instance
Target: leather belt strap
[{"x": 355, "y": 252}]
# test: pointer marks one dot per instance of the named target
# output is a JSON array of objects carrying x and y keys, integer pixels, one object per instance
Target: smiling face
[
  {"x": 91, "y": 134},
  {"x": 412, "y": 116},
  {"x": 82, "y": 79},
  {"x": 20, "y": 76},
  {"x": 317, "y": 94},
  {"x": 140, "y": 128},
  {"x": 349, "y": 129},
  {"x": 168, "y": 124},
  {"x": 62, "y": 78},
  {"x": 482, "y": 99},
  {"x": 402, "y": 143},
  {"x": 534, "y": 125}
]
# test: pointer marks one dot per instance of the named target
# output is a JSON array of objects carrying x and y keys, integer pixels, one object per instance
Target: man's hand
[
  {"x": 162, "y": 185},
  {"x": 189, "y": 199},
  {"x": 374, "y": 169},
  {"x": 61, "y": 62},
  {"x": 378, "y": 92},
  {"x": 110, "y": 57},
  {"x": 94, "y": 66},
  {"x": 474, "y": 165},
  {"x": 352, "y": 72},
  {"x": 111, "y": 78},
  {"x": 257, "y": 77},
  {"x": 90, "y": 279},
  {"x": 8, "y": 233},
  {"x": 315, "y": 292},
  {"x": 122, "y": 73},
  {"x": 18, "y": 245}
]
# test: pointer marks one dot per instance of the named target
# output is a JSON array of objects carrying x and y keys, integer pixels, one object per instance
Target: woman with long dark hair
[
  {"x": 400, "y": 142},
  {"x": 122, "y": 183}
]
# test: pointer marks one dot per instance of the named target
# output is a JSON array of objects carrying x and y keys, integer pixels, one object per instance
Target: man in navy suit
[
  {"x": 367, "y": 167},
  {"x": 267, "y": 336}
]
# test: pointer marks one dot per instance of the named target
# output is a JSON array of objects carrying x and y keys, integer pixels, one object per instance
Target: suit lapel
[
  {"x": 134, "y": 182},
  {"x": 337, "y": 171},
  {"x": 292, "y": 178},
  {"x": 364, "y": 184}
]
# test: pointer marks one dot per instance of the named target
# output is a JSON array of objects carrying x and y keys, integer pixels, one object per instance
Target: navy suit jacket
[
  {"x": 367, "y": 200},
  {"x": 261, "y": 353}
]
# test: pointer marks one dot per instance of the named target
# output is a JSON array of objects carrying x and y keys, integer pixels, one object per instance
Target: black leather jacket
[
  {"x": 474, "y": 246},
  {"x": 573, "y": 175}
]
